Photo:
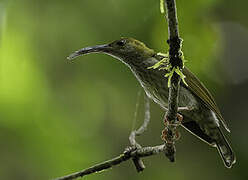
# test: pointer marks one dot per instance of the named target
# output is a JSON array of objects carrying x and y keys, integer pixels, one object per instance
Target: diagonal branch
[
  {"x": 135, "y": 152},
  {"x": 170, "y": 133},
  {"x": 143, "y": 152}
]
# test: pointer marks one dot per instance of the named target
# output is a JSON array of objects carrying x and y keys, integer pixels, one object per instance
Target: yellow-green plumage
[
  {"x": 196, "y": 87},
  {"x": 201, "y": 114}
]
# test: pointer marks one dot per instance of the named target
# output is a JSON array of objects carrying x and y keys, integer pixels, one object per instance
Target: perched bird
[{"x": 201, "y": 115}]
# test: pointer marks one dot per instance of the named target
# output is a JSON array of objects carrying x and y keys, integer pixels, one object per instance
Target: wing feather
[{"x": 197, "y": 88}]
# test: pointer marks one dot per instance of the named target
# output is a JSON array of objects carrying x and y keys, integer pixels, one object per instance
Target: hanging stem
[{"x": 170, "y": 133}]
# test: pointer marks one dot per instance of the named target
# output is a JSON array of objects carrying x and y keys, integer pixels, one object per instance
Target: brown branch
[
  {"x": 170, "y": 133},
  {"x": 136, "y": 160},
  {"x": 143, "y": 152},
  {"x": 136, "y": 152}
]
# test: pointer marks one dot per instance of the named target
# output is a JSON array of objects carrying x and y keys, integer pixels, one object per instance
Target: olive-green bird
[{"x": 201, "y": 115}]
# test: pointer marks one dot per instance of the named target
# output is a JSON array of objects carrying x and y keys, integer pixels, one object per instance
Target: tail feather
[{"x": 225, "y": 151}]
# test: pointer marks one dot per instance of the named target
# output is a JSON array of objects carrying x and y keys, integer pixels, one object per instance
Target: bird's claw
[
  {"x": 177, "y": 123},
  {"x": 179, "y": 118}
]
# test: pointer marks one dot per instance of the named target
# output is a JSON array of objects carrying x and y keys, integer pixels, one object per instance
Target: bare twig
[
  {"x": 143, "y": 152},
  {"x": 170, "y": 133},
  {"x": 136, "y": 151},
  {"x": 137, "y": 161}
]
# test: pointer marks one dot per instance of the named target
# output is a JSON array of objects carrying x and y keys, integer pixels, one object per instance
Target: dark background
[{"x": 58, "y": 117}]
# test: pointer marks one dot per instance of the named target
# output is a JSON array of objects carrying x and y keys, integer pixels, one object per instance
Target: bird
[{"x": 201, "y": 115}]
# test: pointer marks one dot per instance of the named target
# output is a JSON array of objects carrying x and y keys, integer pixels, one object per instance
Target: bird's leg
[
  {"x": 179, "y": 118},
  {"x": 184, "y": 109}
]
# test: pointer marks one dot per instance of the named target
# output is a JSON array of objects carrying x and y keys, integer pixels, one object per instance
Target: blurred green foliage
[{"x": 58, "y": 117}]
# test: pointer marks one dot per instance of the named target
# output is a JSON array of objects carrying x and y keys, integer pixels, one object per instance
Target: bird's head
[{"x": 128, "y": 50}]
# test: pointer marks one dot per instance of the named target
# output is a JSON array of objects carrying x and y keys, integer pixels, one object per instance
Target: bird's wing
[
  {"x": 195, "y": 129},
  {"x": 198, "y": 89}
]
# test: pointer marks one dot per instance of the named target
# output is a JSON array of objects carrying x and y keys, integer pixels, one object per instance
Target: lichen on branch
[{"x": 165, "y": 64}]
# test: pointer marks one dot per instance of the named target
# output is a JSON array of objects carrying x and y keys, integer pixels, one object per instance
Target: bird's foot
[
  {"x": 179, "y": 119},
  {"x": 177, "y": 123}
]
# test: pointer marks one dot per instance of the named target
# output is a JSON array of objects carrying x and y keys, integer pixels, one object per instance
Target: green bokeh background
[{"x": 58, "y": 117}]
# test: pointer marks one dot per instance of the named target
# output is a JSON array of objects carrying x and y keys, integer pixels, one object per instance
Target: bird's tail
[{"x": 225, "y": 151}]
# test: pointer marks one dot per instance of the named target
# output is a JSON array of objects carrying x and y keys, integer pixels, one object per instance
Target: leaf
[
  {"x": 162, "y": 6},
  {"x": 180, "y": 73},
  {"x": 164, "y": 61}
]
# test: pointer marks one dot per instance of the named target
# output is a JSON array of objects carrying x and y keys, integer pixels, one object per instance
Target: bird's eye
[{"x": 121, "y": 43}]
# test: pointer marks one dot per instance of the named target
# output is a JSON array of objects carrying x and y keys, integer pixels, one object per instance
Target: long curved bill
[{"x": 93, "y": 49}]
